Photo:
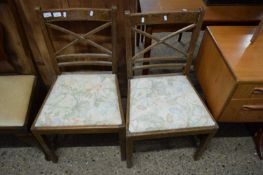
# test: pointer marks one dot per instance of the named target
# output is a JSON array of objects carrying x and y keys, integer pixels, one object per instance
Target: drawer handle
[
  {"x": 258, "y": 91},
  {"x": 252, "y": 107}
]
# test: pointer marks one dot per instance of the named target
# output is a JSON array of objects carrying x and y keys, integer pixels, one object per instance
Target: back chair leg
[
  {"x": 49, "y": 154},
  {"x": 129, "y": 151},
  {"x": 138, "y": 36},
  {"x": 180, "y": 37},
  {"x": 122, "y": 142},
  {"x": 142, "y": 36},
  {"x": 203, "y": 144},
  {"x": 147, "y": 43}
]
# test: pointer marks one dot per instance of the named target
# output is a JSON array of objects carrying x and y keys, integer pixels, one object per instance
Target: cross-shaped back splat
[
  {"x": 191, "y": 20},
  {"x": 106, "y": 57}
]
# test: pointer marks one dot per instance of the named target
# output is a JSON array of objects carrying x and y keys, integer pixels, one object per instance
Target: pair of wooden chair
[{"x": 90, "y": 102}]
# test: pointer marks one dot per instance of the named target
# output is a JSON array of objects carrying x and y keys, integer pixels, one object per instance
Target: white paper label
[
  {"x": 142, "y": 20},
  {"x": 57, "y": 14},
  {"x": 91, "y": 13},
  {"x": 47, "y": 15},
  {"x": 64, "y": 14},
  {"x": 184, "y": 10},
  {"x": 165, "y": 18}
]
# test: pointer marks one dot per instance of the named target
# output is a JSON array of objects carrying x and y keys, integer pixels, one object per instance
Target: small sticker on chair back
[
  {"x": 47, "y": 15},
  {"x": 91, "y": 13},
  {"x": 184, "y": 10},
  {"x": 165, "y": 18},
  {"x": 64, "y": 14},
  {"x": 57, "y": 14},
  {"x": 142, "y": 20}
]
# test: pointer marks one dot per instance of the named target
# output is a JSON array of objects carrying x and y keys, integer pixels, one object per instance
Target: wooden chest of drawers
[{"x": 230, "y": 72}]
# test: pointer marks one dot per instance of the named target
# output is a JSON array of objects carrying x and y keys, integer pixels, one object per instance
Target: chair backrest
[
  {"x": 6, "y": 65},
  {"x": 190, "y": 19},
  {"x": 53, "y": 20},
  {"x": 2, "y": 52}
]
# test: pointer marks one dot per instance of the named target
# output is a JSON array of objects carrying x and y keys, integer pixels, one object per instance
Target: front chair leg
[
  {"x": 203, "y": 144},
  {"x": 49, "y": 154},
  {"x": 129, "y": 151},
  {"x": 122, "y": 143}
]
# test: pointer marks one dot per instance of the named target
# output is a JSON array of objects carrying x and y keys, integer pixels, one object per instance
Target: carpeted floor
[{"x": 231, "y": 152}]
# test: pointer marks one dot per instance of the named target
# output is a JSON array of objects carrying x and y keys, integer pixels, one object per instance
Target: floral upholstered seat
[
  {"x": 163, "y": 103},
  {"x": 81, "y": 99}
]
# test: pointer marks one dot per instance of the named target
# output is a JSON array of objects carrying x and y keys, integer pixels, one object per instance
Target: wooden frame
[
  {"x": 2, "y": 52},
  {"x": 106, "y": 58},
  {"x": 105, "y": 15},
  {"x": 20, "y": 61},
  {"x": 193, "y": 21},
  {"x": 257, "y": 32},
  {"x": 21, "y": 132}
]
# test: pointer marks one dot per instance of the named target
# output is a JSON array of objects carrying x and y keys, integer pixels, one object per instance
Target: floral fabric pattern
[
  {"x": 163, "y": 103},
  {"x": 81, "y": 99}
]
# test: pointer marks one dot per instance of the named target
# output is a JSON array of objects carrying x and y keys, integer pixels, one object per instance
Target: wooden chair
[
  {"x": 85, "y": 102},
  {"x": 160, "y": 106},
  {"x": 17, "y": 99}
]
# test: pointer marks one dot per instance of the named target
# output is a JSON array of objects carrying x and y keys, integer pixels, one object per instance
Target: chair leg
[
  {"x": 142, "y": 36},
  {"x": 129, "y": 151},
  {"x": 122, "y": 142},
  {"x": 203, "y": 144},
  {"x": 138, "y": 37},
  {"x": 180, "y": 37},
  {"x": 49, "y": 154}
]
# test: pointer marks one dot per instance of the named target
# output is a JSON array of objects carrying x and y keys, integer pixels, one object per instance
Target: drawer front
[
  {"x": 249, "y": 110},
  {"x": 249, "y": 91}
]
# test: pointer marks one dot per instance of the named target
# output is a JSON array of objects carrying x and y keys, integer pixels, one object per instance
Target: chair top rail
[
  {"x": 175, "y": 17},
  {"x": 76, "y": 14}
]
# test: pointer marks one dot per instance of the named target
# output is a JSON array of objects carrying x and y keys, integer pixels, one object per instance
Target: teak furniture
[
  {"x": 214, "y": 15},
  {"x": 84, "y": 102},
  {"x": 17, "y": 98},
  {"x": 257, "y": 32},
  {"x": 235, "y": 2},
  {"x": 19, "y": 87},
  {"x": 160, "y": 106},
  {"x": 2, "y": 52},
  {"x": 230, "y": 71},
  {"x": 19, "y": 58}
]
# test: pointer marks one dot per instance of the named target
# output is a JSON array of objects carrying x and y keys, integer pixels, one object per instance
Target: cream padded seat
[
  {"x": 81, "y": 100},
  {"x": 164, "y": 103},
  {"x": 15, "y": 93}
]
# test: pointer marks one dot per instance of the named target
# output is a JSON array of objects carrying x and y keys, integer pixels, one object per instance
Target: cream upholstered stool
[
  {"x": 15, "y": 100},
  {"x": 160, "y": 106},
  {"x": 86, "y": 102}
]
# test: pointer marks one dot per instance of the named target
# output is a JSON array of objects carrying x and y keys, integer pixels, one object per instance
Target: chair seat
[
  {"x": 165, "y": 103},
  {"x": 80, "y": 100},
  {"x": 15, "y": 93}
]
